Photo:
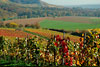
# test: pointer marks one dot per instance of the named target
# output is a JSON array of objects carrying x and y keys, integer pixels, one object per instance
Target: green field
[{"x": 53, "y": 24}]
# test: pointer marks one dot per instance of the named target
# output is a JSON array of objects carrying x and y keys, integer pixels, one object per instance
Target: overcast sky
[{"x": 72, "y": 2}]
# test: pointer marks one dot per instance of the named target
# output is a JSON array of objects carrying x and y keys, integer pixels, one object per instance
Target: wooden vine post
[
  {"x": 63, "y": 34},
  {"x": 84, "y": 36},
  {"x": 62, "y": 48},
  {"x": 54, "y": 55}
]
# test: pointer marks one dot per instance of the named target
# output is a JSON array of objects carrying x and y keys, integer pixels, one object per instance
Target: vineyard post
[
  {"x": 54, "y": 56},
  {"x": 84, "y": 39},
  {"x": 54, "y": 52},
  {"x": 26, "y": 41},
  {"x": 63, "y": 34},
  {"x": 85, "y": 45},
  {"x": 36, "y": 57},
  {"x": 18, "y": 39},
  {"x": 62, "y": 48}
]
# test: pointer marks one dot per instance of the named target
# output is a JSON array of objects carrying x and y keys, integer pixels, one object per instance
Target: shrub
[
  {"x": 7, "y": 25},
  {"x": 27, "y": 25},
  {"x": 37, "y": 25},
  {"x": 20, "y": 25},
  {"x": 1, "y": 24},
  {"x": 11, "y": 25},
  {"x": 32, "y": 26}
]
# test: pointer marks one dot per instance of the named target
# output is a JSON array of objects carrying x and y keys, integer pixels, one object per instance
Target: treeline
[
  {"x": 13, "y": 10},
  {"x": 15, "y": 25},
  {"x": 4, "y": 14}
]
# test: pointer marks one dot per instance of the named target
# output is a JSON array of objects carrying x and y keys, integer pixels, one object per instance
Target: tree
[
  {"x": 32, "y": 25},
  {"x": 7, "y": 25},
  {"x": 1, "y": 24},
  {"x": 3, "y": 19},
  {"x": 20, "y": 25},
  {"x": 13, "y": 25},
  {"x": 37, "y": 25},
  {"x": 27, "y": 25}
]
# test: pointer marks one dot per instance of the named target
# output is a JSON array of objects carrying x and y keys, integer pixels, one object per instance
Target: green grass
[
  {"x": 14, "y": 63},
  {"x": 95, "y": 21},
  {"x": 52, "y": 24}
]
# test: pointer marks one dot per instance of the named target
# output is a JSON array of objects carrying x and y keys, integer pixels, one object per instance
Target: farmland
[
  {"x": 13, "y": 33},
  {"x": 44, "y": 47},
  {"x": 73, "y": 19},
  {"x": 26, "y": 52},
  {"x": 55, "y": 24},
  {"x": 48, "y": 34},
  {"x": 66, "y": 23},
  {"x": 43, "y": 33},
  {"x": 25, "y": 21}
]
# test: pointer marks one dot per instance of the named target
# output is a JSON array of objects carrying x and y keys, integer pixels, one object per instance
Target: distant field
[
  {"x": 56, "y": 24},
  {"x": 25, "y": 21},
  {"x": 67, "y": 23},
  {"x": 68, "y": 19},
  {"x": 73, "y": 19}
]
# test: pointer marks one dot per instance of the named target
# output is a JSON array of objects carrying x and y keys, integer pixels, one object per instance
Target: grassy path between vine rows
[
  {"x": 36, "y": 34},
  {"x": 14, "y": 63}
]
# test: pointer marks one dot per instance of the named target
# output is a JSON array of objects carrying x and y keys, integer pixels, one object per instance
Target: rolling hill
[
  {"x": 28, "y": 3},
  {"x": 19, "y": 9}
]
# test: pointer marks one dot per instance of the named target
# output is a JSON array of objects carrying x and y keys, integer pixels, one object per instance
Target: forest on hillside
[{"x": 16, "y": 11}]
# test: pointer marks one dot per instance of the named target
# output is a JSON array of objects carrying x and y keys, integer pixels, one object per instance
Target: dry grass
[
  {"x": 73, "y": 19},
  {"x": 25, "y": 21},
  {"x": 76, "y": 19}
]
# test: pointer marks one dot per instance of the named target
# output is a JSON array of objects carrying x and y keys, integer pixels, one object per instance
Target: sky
[{"x": 72, "y": 2}]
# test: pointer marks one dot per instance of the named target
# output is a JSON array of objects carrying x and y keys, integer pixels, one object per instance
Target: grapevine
[{"x": 36, "y": 51}]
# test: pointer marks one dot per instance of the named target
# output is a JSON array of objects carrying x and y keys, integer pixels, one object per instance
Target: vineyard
[
  {"x": 49, "y": 33},
  {"x": 13, "y": 33},
  {"x": 56, "y": 51}
]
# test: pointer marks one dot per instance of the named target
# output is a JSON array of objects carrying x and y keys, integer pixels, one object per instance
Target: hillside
[
  {"x": 6, "y": 14},
  {"x": 28, "y": 3},
  {"x": 20, "y": 9},
  {"x": 38, "y": 2}
]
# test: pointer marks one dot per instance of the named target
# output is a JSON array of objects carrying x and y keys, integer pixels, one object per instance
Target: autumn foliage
[{"x": 55, "y": 51}]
